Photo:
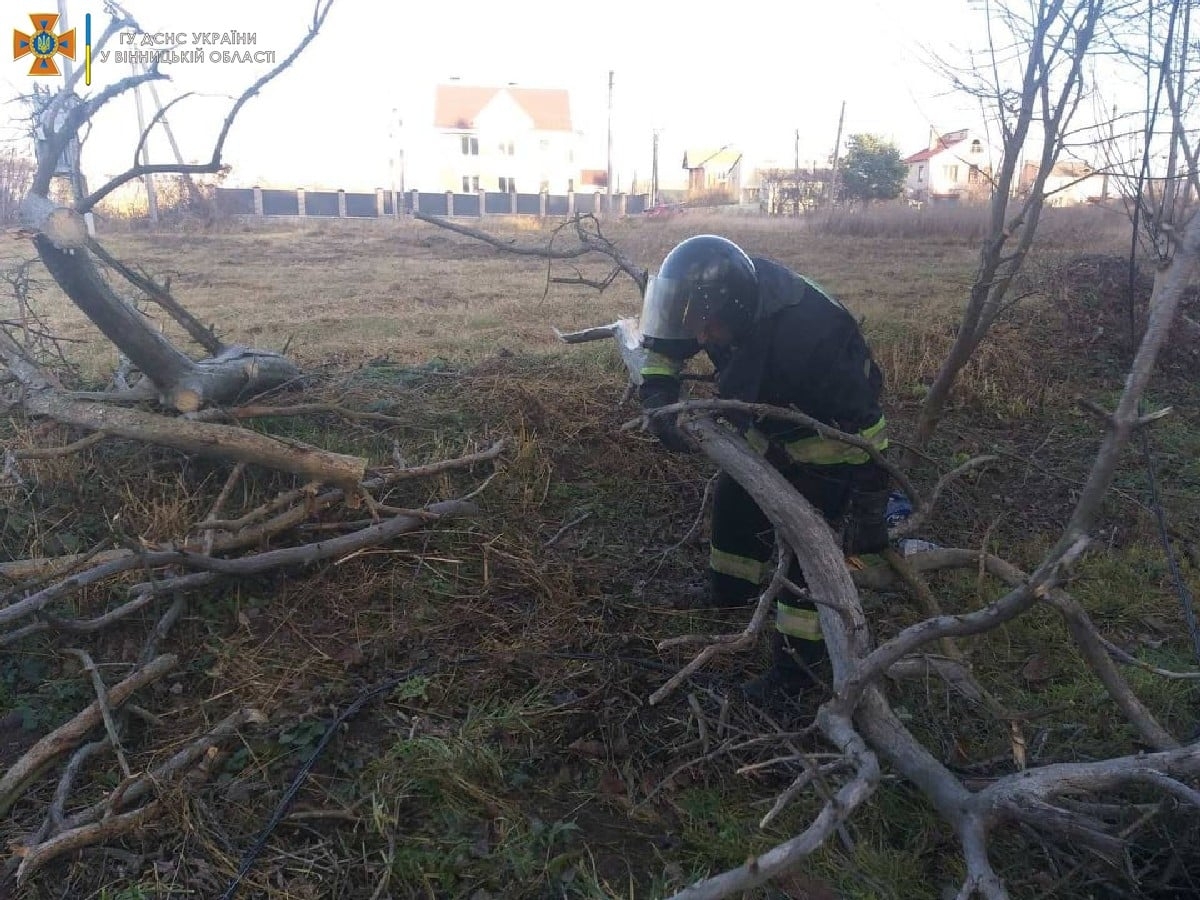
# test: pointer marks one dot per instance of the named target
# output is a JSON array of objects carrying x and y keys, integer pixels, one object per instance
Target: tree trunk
[
  {"x": 939, "y": 392},
  {"x": 182, "y": 383}
]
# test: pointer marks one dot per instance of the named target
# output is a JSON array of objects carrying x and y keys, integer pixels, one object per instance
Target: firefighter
[{"x": 776, "y": 337}]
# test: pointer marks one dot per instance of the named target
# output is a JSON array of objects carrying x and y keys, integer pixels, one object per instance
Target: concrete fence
[{"x": 385, "y": 204}]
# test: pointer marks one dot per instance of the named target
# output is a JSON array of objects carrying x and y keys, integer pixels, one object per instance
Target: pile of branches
[
  {"x": 161, "y": 396},
  {"x": 223, "y": 545}
]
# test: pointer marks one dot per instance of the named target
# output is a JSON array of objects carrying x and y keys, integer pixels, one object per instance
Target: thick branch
[
  {"x": 202, "y": 438},
  {"x": 767, "y": 411},
  {"x": 160, "y": 295}
]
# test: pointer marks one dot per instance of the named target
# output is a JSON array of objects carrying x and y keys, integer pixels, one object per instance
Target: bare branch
[
  {"x": 215, "y": 164},
  {"x": 56, "y": 452},
  {"x": 160, "y": 295},
  {"x": 106, "y": 713},
  {"x": 19, "y": 776},
  {"x": 728, "y": 643}
]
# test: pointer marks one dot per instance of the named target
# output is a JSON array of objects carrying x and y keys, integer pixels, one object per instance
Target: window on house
[
  {"x": 506, "y": 149},
  {"x": 508, "y": 185},
  {"x": 470, "y": 183},
  {"x": 466, "y": 184},
  {"x": 976, "y": 146},
  {"x": 920, "y": 174},
  {"x": 973, "y": 174},
  {"x": 544, "y": 144},
  {"x": 470, "y": 145},
  {"x": 952, "y": 173}
]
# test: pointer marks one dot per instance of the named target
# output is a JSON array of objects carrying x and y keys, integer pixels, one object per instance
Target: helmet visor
[{"x": 674, "y": 309}]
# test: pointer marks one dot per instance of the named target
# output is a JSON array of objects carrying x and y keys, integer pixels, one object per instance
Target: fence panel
[
  {"x": 466, "y": 204},
  {"x": 280, "y": 203},
  {"x": 320, "y": 203},
  {"x": 585, "y": 203},
  {"x": 361, "y": 206},
  {"x": 434, "y": 204},
  {"x": 497, "y": 204},
  {"x": 557, "y": 205},
  {"x": 529, "y": 204},
  {"x": 235, "y": 201}
]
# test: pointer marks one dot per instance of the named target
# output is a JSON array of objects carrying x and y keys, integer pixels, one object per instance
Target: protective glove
[
  {"x": 657, "y": 391},
  {"x": 867, "y": 531}
]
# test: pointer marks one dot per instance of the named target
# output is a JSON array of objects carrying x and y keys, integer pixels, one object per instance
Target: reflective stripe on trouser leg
[
  {"x": 797, "y": 622},
  {"x": 741, "y": 542},
  {"x": 731, "y": 564}
]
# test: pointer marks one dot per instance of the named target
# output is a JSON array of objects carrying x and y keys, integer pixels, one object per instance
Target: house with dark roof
[
  {"x": 509, "y": 139},
  {"x": 956, "y": 165}
]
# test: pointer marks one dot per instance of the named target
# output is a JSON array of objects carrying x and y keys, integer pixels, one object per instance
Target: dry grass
[
  {"x": 1100, "y": 227},
  {"x": 348, "y": 292},
  {"x": 464, "y": 780}
]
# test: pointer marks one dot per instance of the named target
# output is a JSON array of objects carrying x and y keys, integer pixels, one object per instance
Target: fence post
[
  {"x": 258, "y": 206},
  {"x": 543, "y": 203},
  {"x": 380, "y": 203},
  {"x": 570, "y": 203},
  {"x": 301, "y": 209},
  {"x": 621, "y": 204},
  {"x": 449, "y": 203},
  {"x": 512, "y": 201},
  {"x": 416, "y": 200},
  {"x": 596, "y": 207},
  {"x": 341, "y": 204},
  {"x": 482, "y": 202}
]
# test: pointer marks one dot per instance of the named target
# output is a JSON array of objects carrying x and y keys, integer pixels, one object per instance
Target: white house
[
  {"x": 1068, "y": 184},
  {"x": 954, "y": 166},
  {"x": 508, "y": 139},
  {"x": 712, "y": 170}
]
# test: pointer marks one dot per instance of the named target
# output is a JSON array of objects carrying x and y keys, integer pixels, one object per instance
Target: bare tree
[{"x": 1047, "y": 43}]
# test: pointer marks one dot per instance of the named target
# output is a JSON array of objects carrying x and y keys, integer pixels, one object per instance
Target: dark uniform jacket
[{"x": 805, "y": 351}]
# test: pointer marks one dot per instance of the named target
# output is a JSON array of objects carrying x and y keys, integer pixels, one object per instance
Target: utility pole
[
  {"x": 796, "y": 178},
  {"x": 72, "y": 152},
  {"x": 609, "y": 184},
  {"x": 151, "y": 199},
  {"x": 193, "y": 193},
  {"x": 1112, "y": 137},
  {"x": 654, "y": 171},
  {"x": 836, "y": 147}
]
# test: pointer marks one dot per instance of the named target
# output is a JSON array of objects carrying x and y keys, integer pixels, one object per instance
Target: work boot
[
  {"x": 796, "y": 670},
  {"x": 727, "y": 592}
]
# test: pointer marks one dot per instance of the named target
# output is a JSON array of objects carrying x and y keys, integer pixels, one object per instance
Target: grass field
[{"x": 520, "y": 759}]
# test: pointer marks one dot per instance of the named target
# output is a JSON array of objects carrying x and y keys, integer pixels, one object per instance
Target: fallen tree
[
  {"x": 857, "y": 719},
  {"x": 228, "y": 375}
]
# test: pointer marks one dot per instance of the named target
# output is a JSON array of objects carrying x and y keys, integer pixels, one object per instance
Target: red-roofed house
[
  {"x": 508, "y": 139},
  {"x": 956, "y": 165}
]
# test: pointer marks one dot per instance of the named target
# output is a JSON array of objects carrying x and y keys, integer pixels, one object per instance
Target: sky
[{"x": 747, "y": 74}]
